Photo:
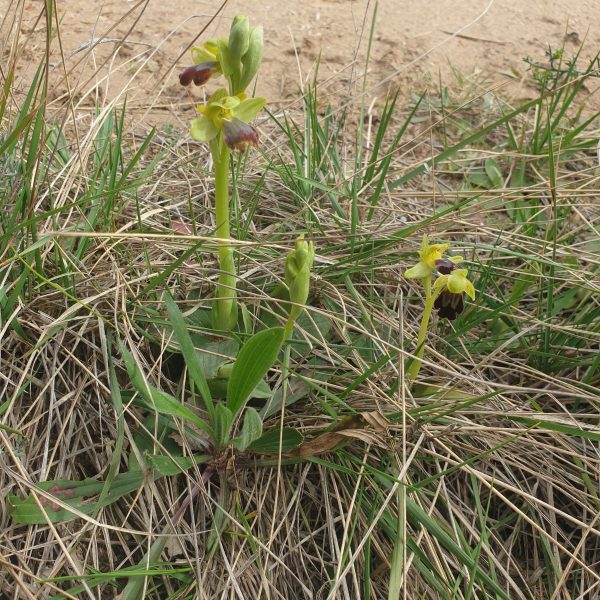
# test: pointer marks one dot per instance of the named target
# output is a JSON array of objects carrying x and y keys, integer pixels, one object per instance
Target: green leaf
[
  {"x": 585, "y": 431},
  {"x": 214, "y": 354},
  {"x": 218, "y": 388},
  {"x": 173, "y": 465},
  {"x": 269, "y": 442},
  {"x": 192, "y": 360},
  {"x": 256, "y": 357},
  {"x": 479, "y": 179},
  {"x": 494, "y": 173},
  {"x": 156, "y": 399},
  {"x": 251, "y": 429},
  {"x": 72, "y": 493},
  {"x": 76, "y": 494},
  {"x": 222, "y": 421}
]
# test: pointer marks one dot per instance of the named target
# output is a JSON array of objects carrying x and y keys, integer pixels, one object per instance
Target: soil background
[{"x": 107, "y": 49}]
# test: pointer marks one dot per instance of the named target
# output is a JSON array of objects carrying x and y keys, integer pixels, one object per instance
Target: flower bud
[
  {"x": 252, "y": 58},
  {"x": 239, "y": 39},
  {"x": 297, "y": 275}
]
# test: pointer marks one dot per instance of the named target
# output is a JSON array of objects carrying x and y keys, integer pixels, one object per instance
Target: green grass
[{"x": 481, "y": 481}]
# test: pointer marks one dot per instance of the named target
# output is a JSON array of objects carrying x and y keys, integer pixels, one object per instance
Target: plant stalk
[
  {"x": 415, "y": 367},
  {"x": 225, "y": 308}
]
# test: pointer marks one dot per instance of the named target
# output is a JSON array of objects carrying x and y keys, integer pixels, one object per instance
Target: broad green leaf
[
  {"x": 494, "y": 173},
  {"x": 296, "y": 390},
  {"x": 251, "y": 429},
  {"x": 156, "y": 399},
  {"x": 218, "y": 388},
  {"x": 214, "y": 354},
  {"x": 269, "y": 442},
  {"x": 192, "y": 360},
  {"x": 479, "y": 179},
  {"x": 222, "y": 421},
  {"x": 76, "y": 494},
  {"x": 256, "y": 357},
  {"x": 173, "y": 465},
  {"x": 73, "y": 493}
]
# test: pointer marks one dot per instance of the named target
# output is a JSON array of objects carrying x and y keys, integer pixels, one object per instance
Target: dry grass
[{"x": 498, "y": 447}]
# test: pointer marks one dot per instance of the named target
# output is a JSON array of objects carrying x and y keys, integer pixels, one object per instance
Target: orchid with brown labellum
[
  {"x": 449, "y": 290},
  {"x": 229, "y": 116},
  {"x": 446, "y": 295},
  {"x": 224, "y": 122}
]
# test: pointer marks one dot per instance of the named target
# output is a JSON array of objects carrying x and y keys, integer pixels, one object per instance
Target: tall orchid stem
[
  {"x": 430, "y": 297},
  {"x": 224, "y": 309}
]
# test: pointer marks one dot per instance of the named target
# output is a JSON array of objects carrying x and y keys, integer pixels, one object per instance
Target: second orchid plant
[
  {"x": 224, "y": 123},
  {"x": 445, "y": 294}
]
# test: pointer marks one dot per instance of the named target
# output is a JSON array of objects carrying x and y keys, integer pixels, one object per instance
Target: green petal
[
  {"x": 440, "y": 283},
  {"x": 419, "y": 271},
  {"x": 457, "y": 281},
  {"x": 203, "y": 129},
  {"x": 251, "y": 60},
  {"x": 227, "y": 103},
  {"x": 248, "y": 109},
  {"x": 224, "y": 57},
  {"x": 470, "y": 290},
  {"x": 217, "y": 96},
  {"x": 456, "y": 259},
  {"x": 200, "y": 55},
  {"x": 438, "y": 248}
]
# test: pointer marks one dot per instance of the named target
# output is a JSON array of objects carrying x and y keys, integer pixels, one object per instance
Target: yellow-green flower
[
  {"x": 449, "y": 291},
  {"x": 209, "y": 52},
  {"x": 229, "y": 115},
  {"x": 428, "y": 254},
  {"x": 237, "y": 58},
  {"x": 457, "y": 282},
  {"x": 207, "y": 62}
]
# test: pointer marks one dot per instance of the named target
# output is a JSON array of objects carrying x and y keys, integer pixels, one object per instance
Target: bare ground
[{"x": 141, "y": 46}]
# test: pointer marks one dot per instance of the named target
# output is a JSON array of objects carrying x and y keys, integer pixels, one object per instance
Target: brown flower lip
[
  {"x": 445, "y": 266},
  {"x": 199, "y": 74},
  {"x": 449, "y": 305},
  {"x": 239, "y": 135}
]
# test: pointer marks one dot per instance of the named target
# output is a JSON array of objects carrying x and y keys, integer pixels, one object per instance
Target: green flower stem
[
  {"x": 289, "y": 328},
  {"x": 225, "y": 313},
  {"x": 415, "y": 367}
]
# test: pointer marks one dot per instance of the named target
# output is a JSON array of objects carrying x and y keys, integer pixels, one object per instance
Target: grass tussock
[{"x": 479, "y": 481}]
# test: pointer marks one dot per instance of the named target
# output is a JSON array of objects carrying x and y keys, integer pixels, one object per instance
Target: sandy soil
[{"x": 138, "y": 47}]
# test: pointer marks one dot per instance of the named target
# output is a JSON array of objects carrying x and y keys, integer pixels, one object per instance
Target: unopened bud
[
  {"x": 239, "y": 39},
  {"x": 253, "y": 57},
  {"x": 225, "y": 61},
  {"x": 297, "y": 275}
]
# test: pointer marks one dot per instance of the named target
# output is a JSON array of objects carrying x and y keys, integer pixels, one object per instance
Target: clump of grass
[{"x": 479, "y": 480}]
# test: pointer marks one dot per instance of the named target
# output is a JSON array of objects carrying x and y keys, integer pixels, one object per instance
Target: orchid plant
[
  {"x": 225, "y": 124},
  {"x": 446, "y": 294}
]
